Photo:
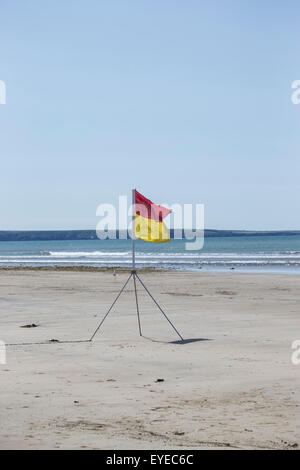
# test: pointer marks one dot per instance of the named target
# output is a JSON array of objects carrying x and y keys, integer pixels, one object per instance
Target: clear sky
[{"x": 188, "y": 101}]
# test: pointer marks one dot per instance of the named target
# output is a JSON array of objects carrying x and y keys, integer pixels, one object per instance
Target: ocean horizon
[{"x": 260, "y": 253}]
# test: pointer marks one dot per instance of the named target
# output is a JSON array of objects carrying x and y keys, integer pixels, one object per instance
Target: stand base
[{"x": 135, "y": 276}]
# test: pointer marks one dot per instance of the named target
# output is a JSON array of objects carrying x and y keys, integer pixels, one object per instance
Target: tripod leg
[
  {"x": 137, "y": 305},
  {"x": 111, "y": 307},
  {"x": 159, "y": 307}
]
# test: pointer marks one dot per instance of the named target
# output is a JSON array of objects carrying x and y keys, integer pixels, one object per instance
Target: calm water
[{"x": 276, "y": 254}]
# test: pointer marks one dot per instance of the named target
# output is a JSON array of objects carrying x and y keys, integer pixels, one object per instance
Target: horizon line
[{"x": 171, "y": 228}]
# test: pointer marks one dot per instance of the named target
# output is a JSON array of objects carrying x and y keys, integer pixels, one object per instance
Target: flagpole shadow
[
  {"x": 190, "y": 340},
  {"x": 180, "y": 342}
]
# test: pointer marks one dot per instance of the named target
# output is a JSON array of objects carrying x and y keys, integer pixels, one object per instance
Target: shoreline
[
  {"x": 117, "y": 269},
  {"x": 78, "y": 268}
]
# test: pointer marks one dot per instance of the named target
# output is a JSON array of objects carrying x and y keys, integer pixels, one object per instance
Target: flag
[{"x": 149, "y": 225}]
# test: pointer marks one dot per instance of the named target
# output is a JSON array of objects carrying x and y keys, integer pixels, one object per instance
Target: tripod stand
[{"x": 135, "y": 277}]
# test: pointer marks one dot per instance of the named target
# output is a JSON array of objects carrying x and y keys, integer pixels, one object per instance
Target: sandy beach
[{"x": 230, "y": 385}]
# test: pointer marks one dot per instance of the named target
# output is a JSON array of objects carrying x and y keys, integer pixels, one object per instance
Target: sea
[{"x": 276, "y": 254}]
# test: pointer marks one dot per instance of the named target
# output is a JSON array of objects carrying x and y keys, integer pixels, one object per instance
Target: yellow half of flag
[
  {"x": 150, "y": 230},
  {"x": 149, "y": 225}
]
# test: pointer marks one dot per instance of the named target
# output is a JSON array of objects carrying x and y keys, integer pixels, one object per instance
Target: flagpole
[
  {"x": 133, "y": 272},
  {"x": 133, "y": 230}
]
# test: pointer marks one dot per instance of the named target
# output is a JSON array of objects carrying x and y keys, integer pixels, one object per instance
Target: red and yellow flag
[{"x": 149, "y": 225}]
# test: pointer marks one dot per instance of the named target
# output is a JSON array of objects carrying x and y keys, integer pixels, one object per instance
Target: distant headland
[{"x": 40, "y": 235}]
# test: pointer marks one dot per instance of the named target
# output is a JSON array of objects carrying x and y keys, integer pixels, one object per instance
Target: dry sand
[{"x": 234, "y": 388}]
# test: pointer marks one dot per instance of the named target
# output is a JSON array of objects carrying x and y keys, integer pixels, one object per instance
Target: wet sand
[{"x": 231, "y": 384}]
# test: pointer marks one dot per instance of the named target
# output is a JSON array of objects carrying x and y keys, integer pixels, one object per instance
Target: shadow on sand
[
  {"x": 190, "y": 340},
  {"x": 185, "y": 341}
]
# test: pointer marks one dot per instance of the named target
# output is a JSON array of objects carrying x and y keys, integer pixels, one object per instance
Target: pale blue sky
[{"x": 189, "y": 101}]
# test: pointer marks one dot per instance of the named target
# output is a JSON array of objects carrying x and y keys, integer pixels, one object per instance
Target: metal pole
[
  {"x": 133, "y": 231},
  {"x": 111, "y": 307},
  {"x": 159, "y": 307},
  {"x": 133, "y": 271},
  {"x": 137, "y": 304}
]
